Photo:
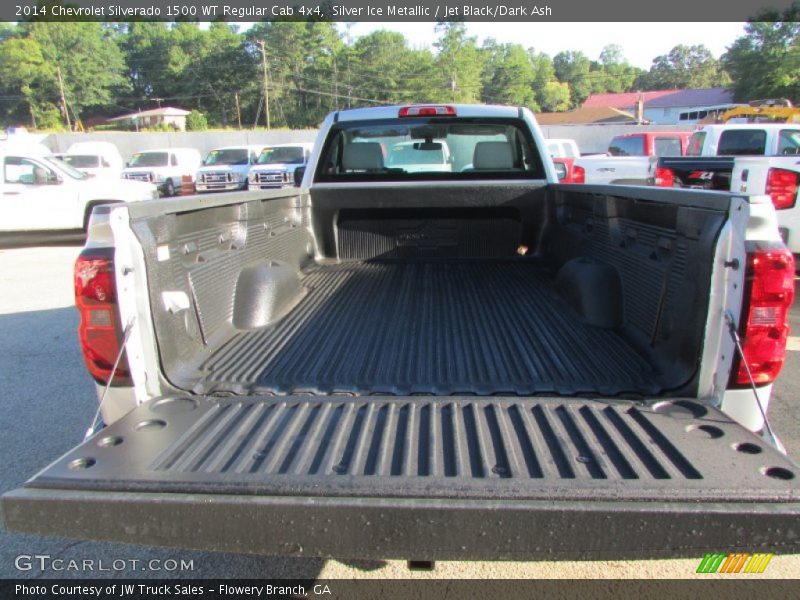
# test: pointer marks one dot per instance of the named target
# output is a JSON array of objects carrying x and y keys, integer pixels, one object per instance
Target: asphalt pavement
[{"x": 49, "y": 401}]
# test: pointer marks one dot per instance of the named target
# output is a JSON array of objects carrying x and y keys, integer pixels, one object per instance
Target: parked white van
[
  {"x": 226, "y": 169},
  {"x": 277, "y": 164},
  {"x": 98, "y": 159},
  {"x": 164, "y": 167}
]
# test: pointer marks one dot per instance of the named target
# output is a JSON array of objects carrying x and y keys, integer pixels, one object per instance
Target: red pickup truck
[
  {"x": 629, "y": 157},
  {"x": 650, "y": 143}
]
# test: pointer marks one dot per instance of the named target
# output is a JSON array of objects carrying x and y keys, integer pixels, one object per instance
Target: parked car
[
  {"x": 277, "y": 164},
  {"x": 165, "y": 167},
  {"x": 463, "y": 364},
  {"x": 227, "y": 169},
  {"x": 41, "y": 193},
  {"x": 98, "y": 159},
  {"x": 631, "y": 156},
  {"x": 753, "y": 159}
]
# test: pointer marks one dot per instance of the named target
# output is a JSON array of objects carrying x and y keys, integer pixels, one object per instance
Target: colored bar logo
[{"x": 737, "y": 562}]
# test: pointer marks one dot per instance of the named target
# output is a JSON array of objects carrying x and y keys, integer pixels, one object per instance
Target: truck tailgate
[{"x": 420, "y": 477}]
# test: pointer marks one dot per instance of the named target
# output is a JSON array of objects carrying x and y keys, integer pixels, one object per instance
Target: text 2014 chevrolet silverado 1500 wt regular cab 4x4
[{"x": 473, "y": 363}]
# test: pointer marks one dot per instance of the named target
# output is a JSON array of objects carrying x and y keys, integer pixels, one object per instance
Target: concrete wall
[
  {"x": 204, "y": 141},
  {"x": 590, "y": 138}
]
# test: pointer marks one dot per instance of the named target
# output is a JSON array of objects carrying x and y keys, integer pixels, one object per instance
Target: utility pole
[
  {"x": 159, "y": 100},
  {"x": 453, "y": 86},
  {"x": 238, "y": 110},
  {"x": 266, "y": 81},
  {"x": 63, "y": 98}
]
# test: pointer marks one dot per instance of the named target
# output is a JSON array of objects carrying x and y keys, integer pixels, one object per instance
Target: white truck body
[
  {"x": 765, "y": 160},
  {"x": 40, "y": 193},
  {"x": 615, "y": 169}
]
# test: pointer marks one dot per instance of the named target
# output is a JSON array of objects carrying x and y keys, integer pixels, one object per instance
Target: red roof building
[{"x": 666, "y": 106}]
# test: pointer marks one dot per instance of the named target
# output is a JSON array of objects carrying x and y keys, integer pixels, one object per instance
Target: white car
[
  {"x": 40, "y": 193},
  {"x": 98, "y": 159},
  {"x": 276, "y": 165},
  {"x": 165, "y": 167}
]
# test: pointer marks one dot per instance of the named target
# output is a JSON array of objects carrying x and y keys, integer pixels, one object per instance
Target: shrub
[{"x": 196, "y": 121}]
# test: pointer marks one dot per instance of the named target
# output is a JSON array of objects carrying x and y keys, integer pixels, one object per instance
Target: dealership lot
[{"x": 49, "y": 401}]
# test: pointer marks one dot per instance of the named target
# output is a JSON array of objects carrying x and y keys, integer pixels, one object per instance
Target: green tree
[
  {"x": 305, "y": 62},
  {"x": 91, "y": 63},
  {"x": 388, "y": 70},
  {"x": 613, "y": 73},
  {"x": 196, "y": 121},
  {"x": 26, "y": 83},
  {"x": 685, "y": 67},
  {"x": 765, "y": 61},
  {"x": 509, "y": 76},
  {"x": 573, "y": 69},
  {"x": 459, "y": 65},
  {"x": 555, "y": 97},
  {"x": 147, "y": 47}
]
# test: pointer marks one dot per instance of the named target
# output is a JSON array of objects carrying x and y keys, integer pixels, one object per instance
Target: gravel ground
[{"x": 45, "y": 387}]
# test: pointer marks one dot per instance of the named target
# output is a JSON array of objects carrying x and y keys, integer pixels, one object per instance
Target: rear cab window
[
  {"x": 425, "y": 148},
  {"x": 667, "y": 146},
  {"x": 789, "y": 142},
  {"x": 695, "y": 146},
  {"x": 627, "y": 146},
  {"x": 742, "y": 142}
]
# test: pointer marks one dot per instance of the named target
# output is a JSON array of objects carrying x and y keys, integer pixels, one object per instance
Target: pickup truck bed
[{"x": 426, "y": 366}]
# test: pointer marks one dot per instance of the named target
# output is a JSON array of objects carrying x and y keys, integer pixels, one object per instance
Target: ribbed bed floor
[{"x": 442, "y": 328}]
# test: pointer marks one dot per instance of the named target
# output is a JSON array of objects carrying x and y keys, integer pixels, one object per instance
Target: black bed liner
[{"x": 483, "y": 327}]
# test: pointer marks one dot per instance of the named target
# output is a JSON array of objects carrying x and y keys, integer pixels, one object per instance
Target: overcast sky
[{"x": 641, "y": 42}]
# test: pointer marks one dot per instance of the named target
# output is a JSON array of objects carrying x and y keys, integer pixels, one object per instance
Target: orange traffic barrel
[{"x": 187, "y": 186}]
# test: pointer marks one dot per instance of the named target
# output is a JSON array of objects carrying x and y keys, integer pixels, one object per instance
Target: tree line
[{"x": 308, "y": 68}]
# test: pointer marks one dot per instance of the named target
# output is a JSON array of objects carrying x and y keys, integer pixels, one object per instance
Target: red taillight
[
  {"x": 99, "y": 331},
  {"x": 578, "y": 174},
  {"x": 664, "y": 177},
  {"x": 782, "y": 188},
  {"x": 769, "y": 293},
  {"x": 427, "y": 111}
]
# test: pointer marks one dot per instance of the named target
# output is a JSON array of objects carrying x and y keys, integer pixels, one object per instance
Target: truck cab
[
  {"x": 164, "y": 168},
  {"x": 277, "y": 164},
  {"x": 227, "y": 169}
]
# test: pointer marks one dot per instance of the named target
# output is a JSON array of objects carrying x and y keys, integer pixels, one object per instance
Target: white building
[
  {"x": 667, "y": 107},
  {"x": 174, "y": 117}
]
